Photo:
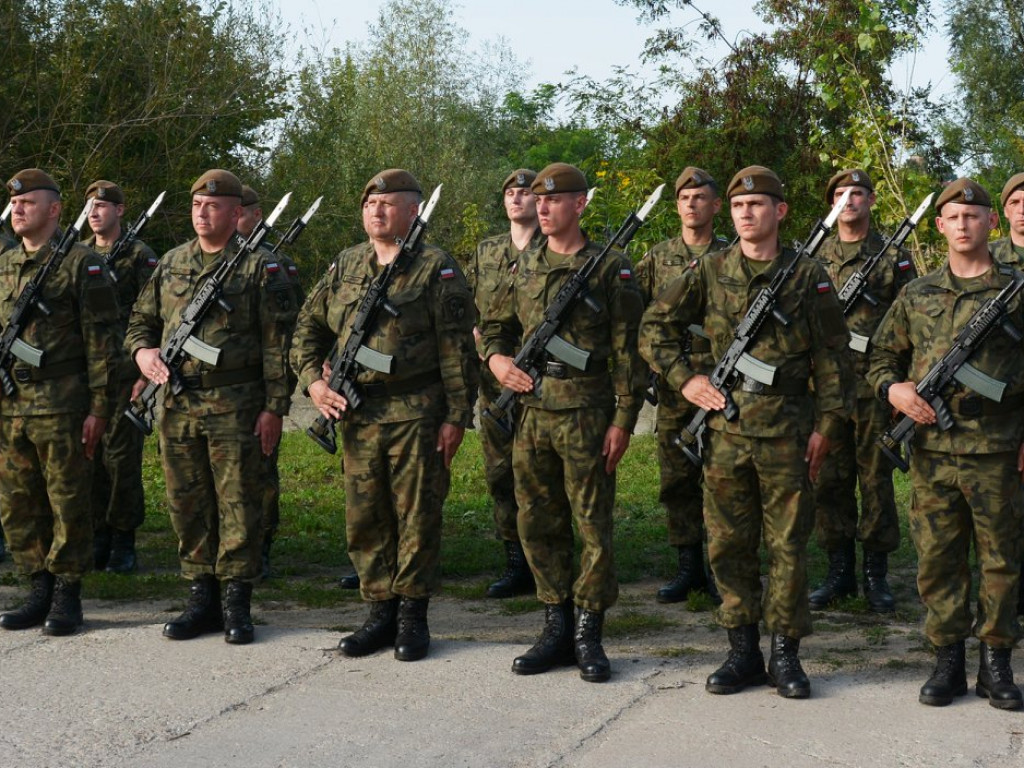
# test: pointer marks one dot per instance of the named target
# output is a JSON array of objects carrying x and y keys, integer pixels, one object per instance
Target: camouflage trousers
[
  {"x": 560, "y": 480},
  {"x": 957, "y": 498},
  {"x": 754, "y": 489},
  {"x": 45, "y": 481},
  {"x": 271, "y": 499},
  {"x": 212, "y": 469},
  {"x": 395, "y": 487},
  {"x": 855, "y": 456},
  {"x": 497, "y": 449},
  {"x": 681, "y": 493},
  {"x": 118, "y": 500}
]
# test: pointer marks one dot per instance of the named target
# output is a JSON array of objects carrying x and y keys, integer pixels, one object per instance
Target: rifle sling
[
  {"x": 214, "y": 379},
  {"x": 70, "y": 367},
  {"x": 402, "y": 387},
  {"x": 792, "y": 388}
]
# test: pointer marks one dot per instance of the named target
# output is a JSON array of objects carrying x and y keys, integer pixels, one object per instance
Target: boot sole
[
  {"x": 983, "y": 693},
  {"x": 726, "y": 690},
  {"x": 942, "y": 701},
  {"x": 567, "y": 662},
  {"x": 172, "y": 634}
]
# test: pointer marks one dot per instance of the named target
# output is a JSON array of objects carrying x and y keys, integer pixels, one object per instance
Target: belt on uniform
[
  {"x": 971, "y": 407},
  {"x": 47, "y": 372},
  {"x": 402, "y": 387},
  {"x": 792, "y": 388},
  {"x": 556, "y": 369},
  {"x": 214, "y": 379}
]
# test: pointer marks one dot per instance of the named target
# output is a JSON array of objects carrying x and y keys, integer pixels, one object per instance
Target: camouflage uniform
[
  {"x": 854, "y": 455},
  {"x": 117, "y": 494},
  {"x": 211, "y": 457},
  {"x": 755, "y": 477},
  {"x": 395, "y": 479},
  {"x": 45, "y": 478},
  {"x": 681, "y": 494},
  {"x": 1005, "y": 252},
  {"x": 556, "y": 458},
  {"x": 488, "y": 275},
  {"x": 964, "y": 480}
]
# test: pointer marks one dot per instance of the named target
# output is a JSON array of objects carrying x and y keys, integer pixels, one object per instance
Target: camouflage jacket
[
  {"x": 889, "y": 275},
  {"x": 919, "y": 329},
  {"x": 616, "y": 374},
  {"x": 715, "y": 294},
  {"x": 431, "y": 338},
  {"x": 1004, "y": 252},
  {"x": 131, "y": 271},
  {"x": 662, "y": 264},
  {"x": 82, "y": 335},
  {"x": 252, "y": 337}
]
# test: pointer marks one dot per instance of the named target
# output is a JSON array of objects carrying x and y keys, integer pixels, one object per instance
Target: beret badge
[
  {"x": 748, "y": 183},
  {"x": 968, "y": 194},
  {"x": 521, "y": 179},
  {"x": 16, "y": 185},
  {"x": 549, "y": 184}
]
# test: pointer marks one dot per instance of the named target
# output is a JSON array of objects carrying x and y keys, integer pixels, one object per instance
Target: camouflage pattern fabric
[
  {"x": 394, "y": 478},
  {"x": 854, "y": 456},
  {"x": 1005, "y": 252},
  {"x": 489, "y": 275}
]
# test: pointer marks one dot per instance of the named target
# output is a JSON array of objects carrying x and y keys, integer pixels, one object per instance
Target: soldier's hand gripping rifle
[
  {"x": 11, "y": 346},
  {"x": 545, "y": 339},
  {"x": 954, "y": 365},
  {"x": 737, "y": 361},
  {"x": 856, "y": 287},
  {"x": 355, "y": 355},
  {"x": 124, "y": 242},
  {"x": 183, "y": 341},
  {"x": 297, "y": 226}
]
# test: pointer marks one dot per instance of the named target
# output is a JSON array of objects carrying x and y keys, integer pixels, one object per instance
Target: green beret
[
  {"x": 218, "y": 183},
  {"x": 965, "y": 191},
  {"x": 692, "y": 178},
  {"x": 755, "y": 180},
  {"x": 1015, "y": 183},
  {"x": 559, "y": 177},
  {"x": 521, "y": 179},
  {"x": 106, "y": 191},
  {"x": 30, "y": 180},
  {"x": 249, "y": 196},
  {"x": 391, "y": 180},
  {"x": 851, "y": 177}
]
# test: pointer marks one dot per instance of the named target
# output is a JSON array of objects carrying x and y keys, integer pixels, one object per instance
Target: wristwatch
[{"x": 883, "y": 391}]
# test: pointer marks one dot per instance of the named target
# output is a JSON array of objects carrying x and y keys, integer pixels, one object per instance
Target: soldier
[
  {"x": 489, "y": 274},
  {"x": 51, "y": 425},
  {"x": 399, "y": 444},
  {"x": 118, "y": 503},
  {"x": 1010, "y": 250},
  {"x": 572, "y": 430},
  {"x": 288, "y": 297},
  {"x": 698, "y": 201},
  {"x": 213, "y": 433},
  {"x": 854, "y": 455},
  {"x": 966, "y": 479},
  {"x": 758, "y": 468}
]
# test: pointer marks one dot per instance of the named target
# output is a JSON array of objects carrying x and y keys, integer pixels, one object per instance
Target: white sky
[{"x": 553, "y": 36}]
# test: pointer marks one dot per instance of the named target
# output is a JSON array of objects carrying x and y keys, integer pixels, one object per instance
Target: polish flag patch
[
  {"x": 293, "y": 270},
  {"x": 903, "y": 265},
  {"x": 152, "y": 261},
  {"x": 93, "y": 270},
  {"x": 625, "y": 274},
  {"x": 824, "y": 287},
  {"x": 447, "y": 273},
  {"x": 273, "y": 267}
]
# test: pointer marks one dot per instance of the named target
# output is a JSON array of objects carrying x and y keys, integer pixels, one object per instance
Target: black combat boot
[
  {"x": 33, "y": 611},
  {"x": 349, "y": 580},
  {"x": 122, "y": 552},
  {"x": 841, "y": 580},
  {"x": 949, "y": 678},
  {"x": 413, "y": 639},
  {"x": 101, "y": 541},
  {"x": 590, "y": 656},
  {"x": 517, "y": 578},
  {"x": 784, "y": 669},
  {"x": 743, "y": 667},
  {"x": 202, "y": 612},
  {"x": 995, "y": 679},
  {"x": 876, "y": 587},
  {"x": 691, "y": 575},
  {"x": 378, "y": 630},
  {"x": 554, "y": 646},
  {"x": 238, "y": 629},
  {"x": 268, "y": 540},
  {"x": 65, "y": 614}
]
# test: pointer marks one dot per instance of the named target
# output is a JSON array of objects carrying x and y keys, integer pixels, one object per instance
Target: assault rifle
[
  {"x": 297, "y": 226},
  {"x": 182, "y": 342},
  {"x": 31, "y": 297},
  {"x": 736, "y": 361},
  {"x": 545, "y": 339},
  {"x": 954, "y": 366},
  {"x": 856, "y": 287},
  {"x": 124, "y": 242},
  {"x": 355, "y": 355}
]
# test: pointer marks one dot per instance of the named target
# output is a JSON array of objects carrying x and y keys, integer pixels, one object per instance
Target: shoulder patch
[
  {"x": 293, "y": 270},
  {"x": 152, "y": 261},
  {"x": 273, "y": 267},
  {"x": 625, "y": 273},
  {"x": 447, "y": 273},
  {"x": 94, "y": 270},
  {"x": 903, "y": 265},
  {"x": 824, "y": 287}
]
